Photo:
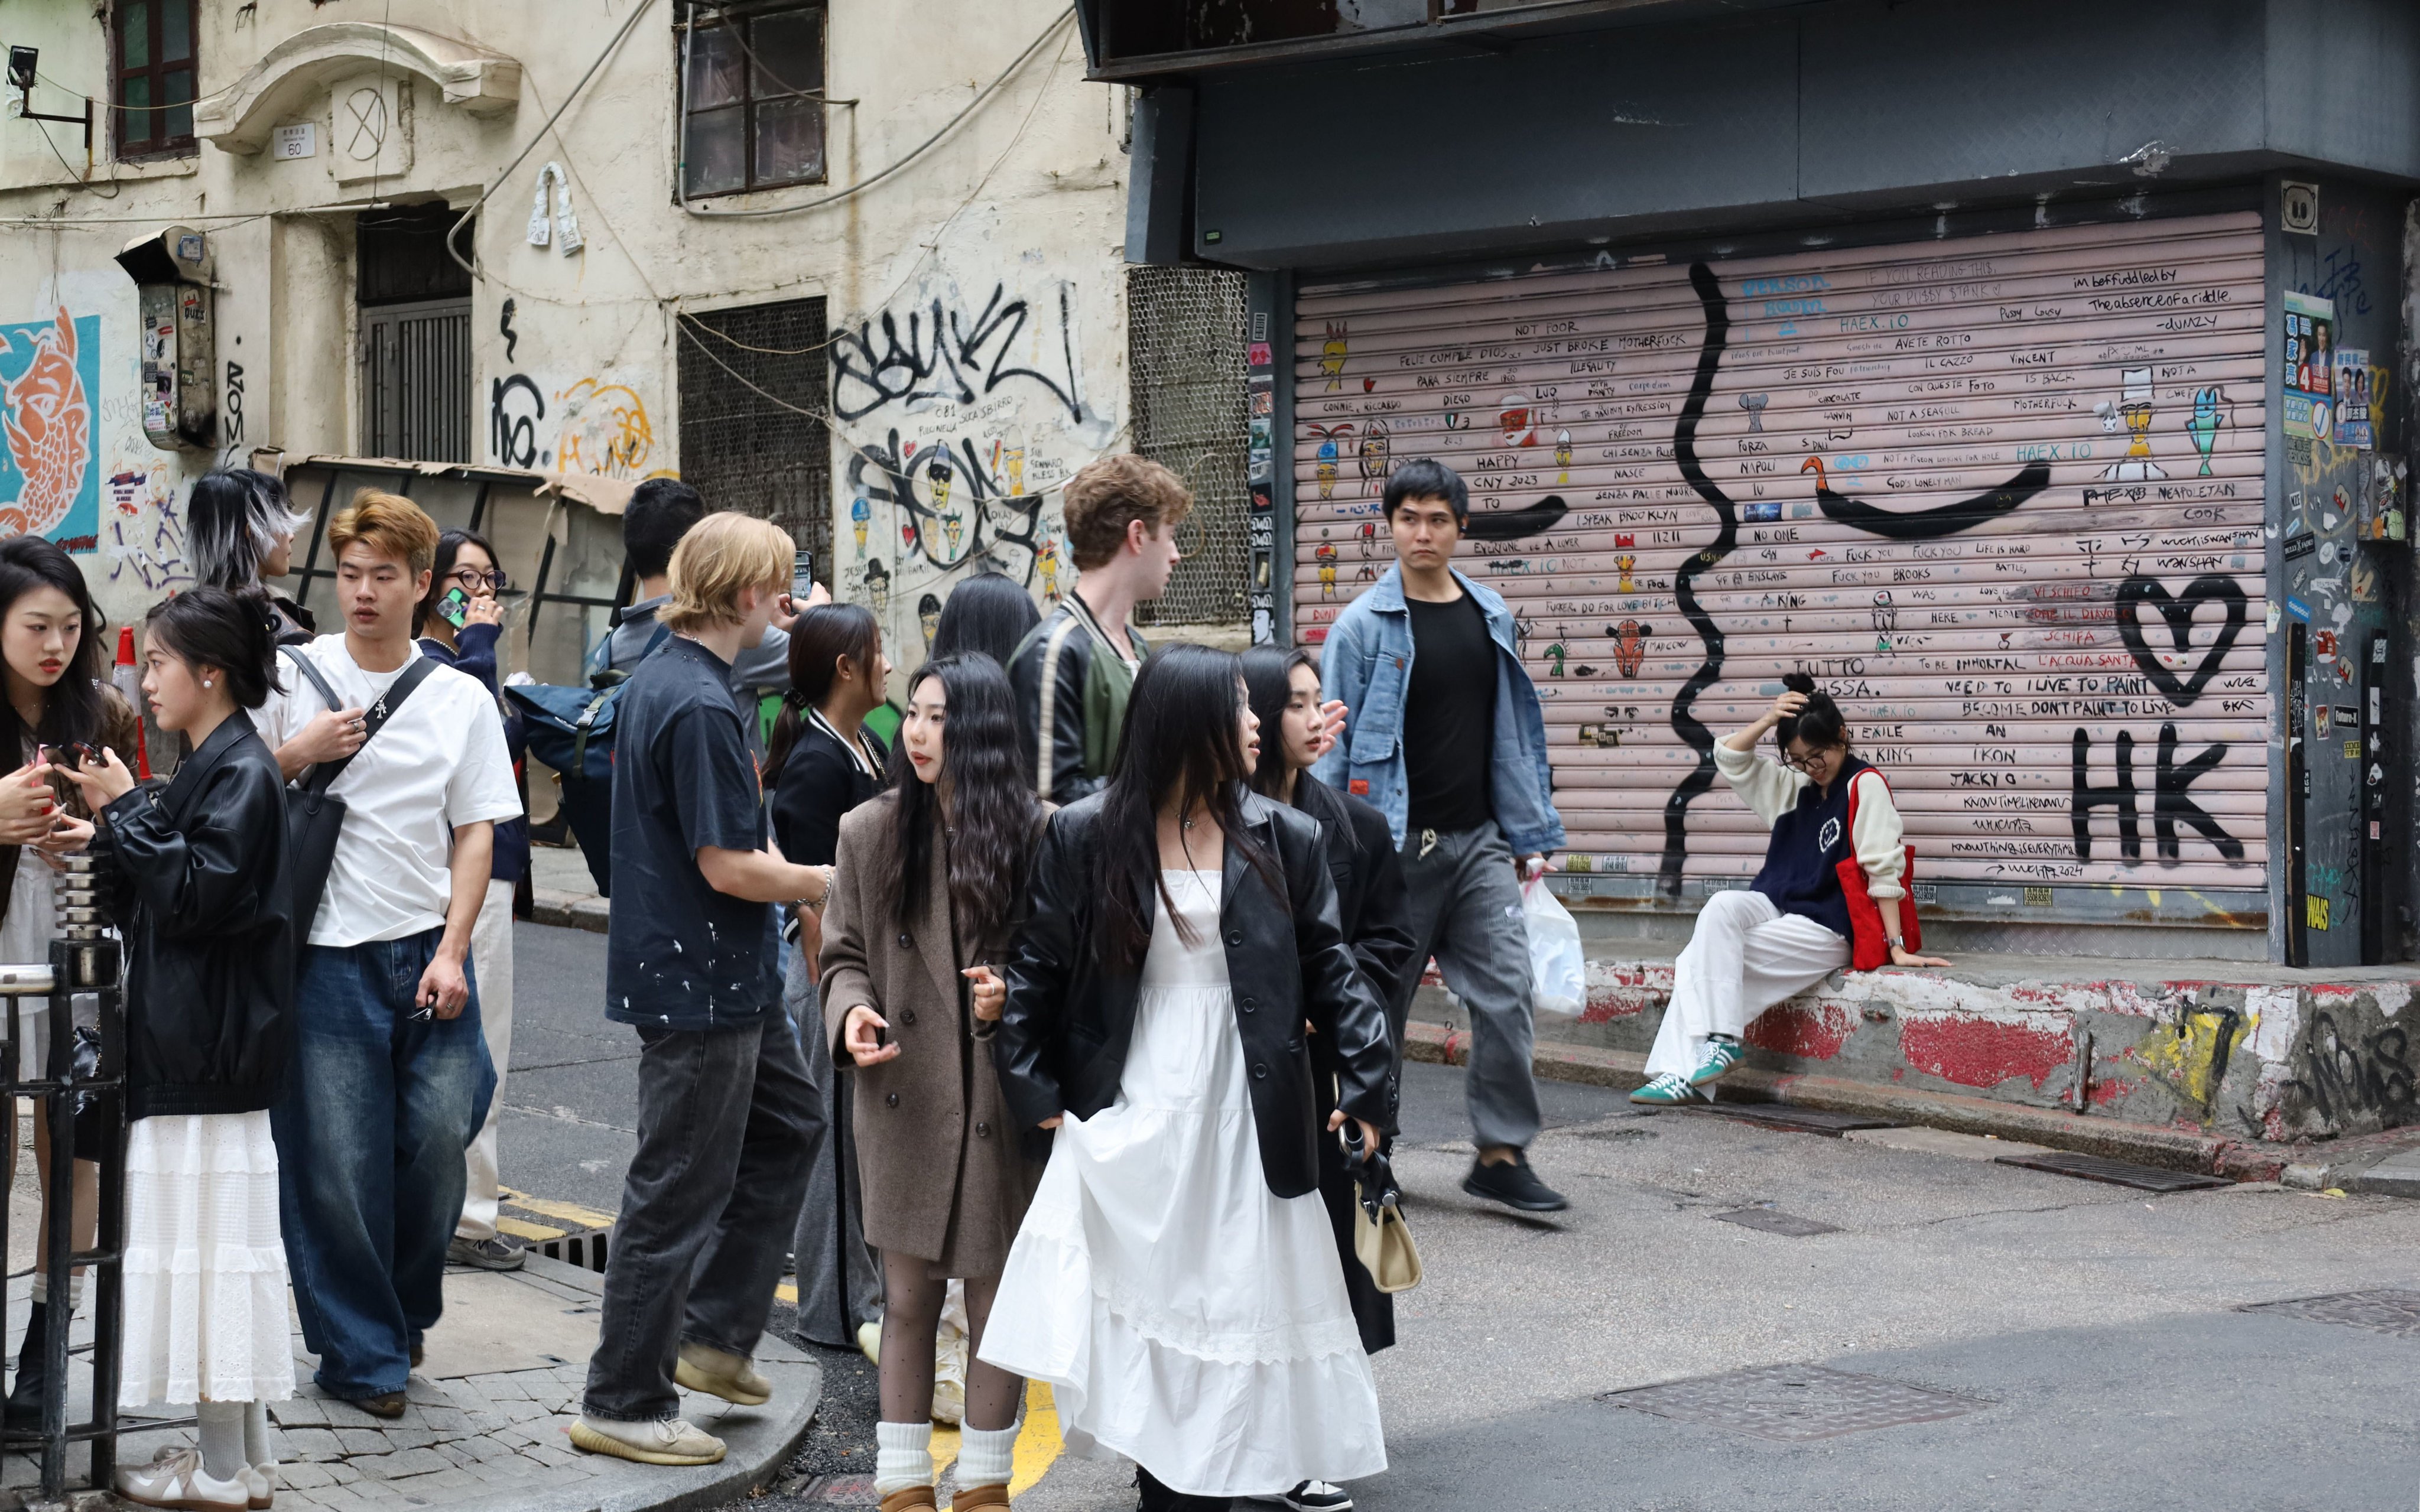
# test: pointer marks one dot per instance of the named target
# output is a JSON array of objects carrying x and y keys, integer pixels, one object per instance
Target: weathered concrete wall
[
  {"x": 2262, "y": 1054},
  {"x": 576, "y": 357}
]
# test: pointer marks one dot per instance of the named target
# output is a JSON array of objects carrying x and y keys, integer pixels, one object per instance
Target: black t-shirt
[
  {"x": 820, "y": 782},
  {"x": 1449, "y": 716},
  {"x": 679, "y": 955}
]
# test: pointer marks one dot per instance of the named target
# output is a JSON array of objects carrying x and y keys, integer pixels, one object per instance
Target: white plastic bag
[{"x": 1557, "y": 971}]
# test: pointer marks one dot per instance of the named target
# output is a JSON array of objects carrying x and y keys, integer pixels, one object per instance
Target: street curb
[
  {"x": 2142, "y": 1143},
  {"x": 569, "y": 910},
  {"x": 759, "y": 1449}
]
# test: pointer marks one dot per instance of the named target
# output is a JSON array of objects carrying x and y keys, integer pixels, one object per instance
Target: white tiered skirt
[
  {"x": 1184, "y": 1316},
  {"x": 204, "y": 1266}
]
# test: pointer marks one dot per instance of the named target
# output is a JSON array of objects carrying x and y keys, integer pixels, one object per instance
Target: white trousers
[
  {"x": 491, "y": 961},
  {"x": 1745, "y": 956}
]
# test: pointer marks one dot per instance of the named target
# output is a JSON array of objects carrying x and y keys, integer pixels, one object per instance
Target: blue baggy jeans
[{"x": 379, "y": 1106}]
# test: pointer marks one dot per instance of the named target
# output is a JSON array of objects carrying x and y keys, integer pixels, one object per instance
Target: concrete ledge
[
  {"x": 569, "y": 910},
  {"x": 2144, "y": 1144}
]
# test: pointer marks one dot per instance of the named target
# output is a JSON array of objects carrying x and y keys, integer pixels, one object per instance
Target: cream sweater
[{"x": 1772, "y": 789}]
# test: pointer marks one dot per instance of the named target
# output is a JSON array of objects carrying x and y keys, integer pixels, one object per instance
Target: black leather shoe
[
  {"x": 25, "y": 1408},
  {"x": 1513, "y": 1183},
  {"x": 1158, "y": 1498}
]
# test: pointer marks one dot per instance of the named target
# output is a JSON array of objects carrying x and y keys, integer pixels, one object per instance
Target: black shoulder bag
[{"x": 315, "y": 817}]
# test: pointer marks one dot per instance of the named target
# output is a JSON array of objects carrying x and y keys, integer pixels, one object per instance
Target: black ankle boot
[
  {"x": 1158, "y": 1498},
  {"x": 24, "y": 1408}
]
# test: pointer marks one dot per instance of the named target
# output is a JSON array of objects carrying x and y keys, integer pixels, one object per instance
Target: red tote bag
[{"x": 1869, "y": 950}]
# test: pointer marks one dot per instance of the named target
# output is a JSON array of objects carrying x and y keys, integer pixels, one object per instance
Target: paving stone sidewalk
[{"x": 485, "y": 1428}]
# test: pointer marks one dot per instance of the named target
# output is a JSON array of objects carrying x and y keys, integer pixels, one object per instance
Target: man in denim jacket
[{"x": 1443, "y": 733}]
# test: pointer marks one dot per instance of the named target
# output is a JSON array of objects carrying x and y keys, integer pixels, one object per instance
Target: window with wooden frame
[
  {"x": 752, "y": 97},
  {"x": 153, "y": 94}
]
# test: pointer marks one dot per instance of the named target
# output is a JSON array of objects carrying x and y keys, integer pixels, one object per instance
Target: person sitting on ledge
[{"x": 1789, "y": 930}]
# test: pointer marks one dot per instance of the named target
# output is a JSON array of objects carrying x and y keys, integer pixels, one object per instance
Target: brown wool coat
[{"x": 937, "y": 1147}]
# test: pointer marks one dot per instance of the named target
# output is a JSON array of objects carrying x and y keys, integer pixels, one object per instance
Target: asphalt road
[{"x": 2086, "y": 1342}]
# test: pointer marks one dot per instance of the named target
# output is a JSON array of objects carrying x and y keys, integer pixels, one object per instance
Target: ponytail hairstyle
[
  {"x": 1818, "y": 723},
  {"x": 236, "y": 633},
  {"x": 818, "y": 639}
]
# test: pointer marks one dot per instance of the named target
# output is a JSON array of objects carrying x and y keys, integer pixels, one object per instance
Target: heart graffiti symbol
[{"x": 2178, "y": 610}]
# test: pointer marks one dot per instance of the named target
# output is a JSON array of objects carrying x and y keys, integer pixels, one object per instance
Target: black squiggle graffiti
[
  {"x": 505, "y": 326},
  {"x": 2179, "y": 613},
  {"x": 1691, "y": 729},
  {"x": 2170, "y": 800},
  {"x": 883, "y": 472},
  {"x": 2346, "y": 1076},
  {"x": 512, "y": 437},
  {"x": 1509, "y": 524},
  {"x": 1926, "y": 524},
  {"x": 942, "y": 361}
]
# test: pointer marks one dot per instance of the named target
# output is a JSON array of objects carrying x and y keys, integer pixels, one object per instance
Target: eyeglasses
[
  {"x": 1807, "y": 763},
  {"x": 471, "y": 580}
]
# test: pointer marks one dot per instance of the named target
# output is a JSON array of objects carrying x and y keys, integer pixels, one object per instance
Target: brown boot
[
  {"x": 971, "y": 1498},
  {"x": 908, "y": 1499}
]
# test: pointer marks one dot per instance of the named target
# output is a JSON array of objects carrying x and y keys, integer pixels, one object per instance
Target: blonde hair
[
  {"x": 389, "y": 524},
  {"x": 721, "y": 555}
]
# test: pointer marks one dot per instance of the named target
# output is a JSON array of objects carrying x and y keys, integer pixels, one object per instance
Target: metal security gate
[
  {"x": 416, "y": 380},
  {"x": 2002, "y": 496},
  {"x": 1185, "y": 365}
]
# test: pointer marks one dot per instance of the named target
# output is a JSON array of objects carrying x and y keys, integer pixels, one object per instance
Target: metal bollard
[{"x": 84, "y": 970}]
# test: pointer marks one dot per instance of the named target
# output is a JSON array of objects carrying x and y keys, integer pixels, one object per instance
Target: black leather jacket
[
  {"x": 1373, "y": 903},
  {"x": 1069, "y": 1021},
  {"x": 1071, "y": 734},
  {"x": 195, "y": 874}
]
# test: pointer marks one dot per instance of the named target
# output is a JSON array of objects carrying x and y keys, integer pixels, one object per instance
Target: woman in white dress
[
  {"x": 1176, "y": 1280},
  {"x": 194, "y": 873}
]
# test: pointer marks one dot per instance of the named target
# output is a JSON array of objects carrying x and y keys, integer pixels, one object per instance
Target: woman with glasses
[
  {"x": 462, "y": 624},
  {"x": 1790, "y": 929}
]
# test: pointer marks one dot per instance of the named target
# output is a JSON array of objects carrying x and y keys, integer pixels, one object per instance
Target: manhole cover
[
  {"x": 1797, "y": 1402},
  {"x": 840, "y": 1490},
  {"x": 1788, "y": 1225},
  {"x": 2383, "y": 1311},
  {"x": 2116, "y": 1172},
  {"x": 1803, "y": 1120}
]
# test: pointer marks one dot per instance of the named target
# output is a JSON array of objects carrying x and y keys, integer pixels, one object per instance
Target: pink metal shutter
[{"x": 2002, "y": 496}]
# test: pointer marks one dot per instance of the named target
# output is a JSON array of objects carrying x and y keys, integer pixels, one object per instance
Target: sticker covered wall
[{"x": 2001, "y": 496}]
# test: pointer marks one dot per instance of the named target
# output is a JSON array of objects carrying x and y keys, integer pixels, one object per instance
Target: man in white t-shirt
[{"x": 390, "y": 1077}]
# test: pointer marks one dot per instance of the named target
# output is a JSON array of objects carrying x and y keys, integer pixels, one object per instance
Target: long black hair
[
  {"x": 821, "y": 636},
  {"x": 994, "y": 820},
  {"x": 72, "y": 707},
  {"x": 236, "y": 633},
  {"x": 1820, "y": 723},
  {"x": 987, "y": 612},
  {"x": 1180, "y": 744},
  {"x": 1269, "y": 683}
]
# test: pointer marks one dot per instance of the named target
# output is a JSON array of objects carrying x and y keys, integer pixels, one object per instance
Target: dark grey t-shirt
[{"x": 679, "y": 955}]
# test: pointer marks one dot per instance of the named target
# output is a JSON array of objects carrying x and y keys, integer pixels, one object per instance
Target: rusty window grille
[
  {"x": 752, "y": 97},
  {"x": 1184, "y": 366},
  {"x": 746, "y": 376}
]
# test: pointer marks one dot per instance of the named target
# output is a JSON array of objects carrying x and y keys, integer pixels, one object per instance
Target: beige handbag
[{"x": 1384, "y": 1247}]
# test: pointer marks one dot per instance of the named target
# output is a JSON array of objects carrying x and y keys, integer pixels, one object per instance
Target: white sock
[
  {"x": 41, "y": 1289},
  {"x": 903, "y": 1457},
  {"x": 222, "y": 1425},
  {"x": 255, "y": 1435},
  {"x": 987, "y": 1457}
]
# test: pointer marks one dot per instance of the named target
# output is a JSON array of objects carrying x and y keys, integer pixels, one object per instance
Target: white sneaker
[
  {"x": 665, "y": 1442},
  {"x": 174, "y": 1477},
  {"x": 1318, "y": 1496},
  {"x": 261, "y": 1481}
]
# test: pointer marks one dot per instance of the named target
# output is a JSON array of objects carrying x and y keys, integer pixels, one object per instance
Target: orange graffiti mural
[
  {"x": 49, "y": 425},
  {"x": 605, "y": 430}
]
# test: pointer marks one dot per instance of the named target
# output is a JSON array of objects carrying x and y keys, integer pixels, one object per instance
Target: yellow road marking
[
  {"x": 945, "y": 1449},
  {"x": 788, "y": 1292},
  {"x": 1039, "y": 1446},
  {"x": 569, "y": 1212},
  {"x": 535, "y": 1233}
]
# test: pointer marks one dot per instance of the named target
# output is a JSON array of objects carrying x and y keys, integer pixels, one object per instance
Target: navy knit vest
[{"x": 1808, "y": 843}]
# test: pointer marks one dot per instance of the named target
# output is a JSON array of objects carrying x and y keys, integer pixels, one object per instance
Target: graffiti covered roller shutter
[{"x": 2002, "y": 496}]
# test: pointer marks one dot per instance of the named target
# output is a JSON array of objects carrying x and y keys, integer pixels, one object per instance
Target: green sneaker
[
  {"x": 1722, "y": 1054},
  {"x": 1671, "y": 1090}
]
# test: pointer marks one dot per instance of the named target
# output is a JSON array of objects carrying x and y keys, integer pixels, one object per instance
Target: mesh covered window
[
  {"x": 752, "y": 392},
  {"x": 1185, "y": 360}
]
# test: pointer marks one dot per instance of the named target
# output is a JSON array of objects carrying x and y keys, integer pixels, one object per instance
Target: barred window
[
  {"x": 754, "y": 388},
  {"x": 752, "y": 97}
]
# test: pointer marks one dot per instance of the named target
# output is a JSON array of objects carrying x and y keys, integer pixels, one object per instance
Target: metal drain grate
[
  {"x": 1803, "y": 1120},
  {"x": 2116, "y": 1172},
  {"x": 585, "y": 1249},
  {"x": 1788, "y": 1225},
  {"x": 2386, "y": 1310},
  {"x": 1793, "y": 1403}
]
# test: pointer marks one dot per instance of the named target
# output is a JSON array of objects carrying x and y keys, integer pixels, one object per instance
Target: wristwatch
[{"x": 1896, "y": 942}]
